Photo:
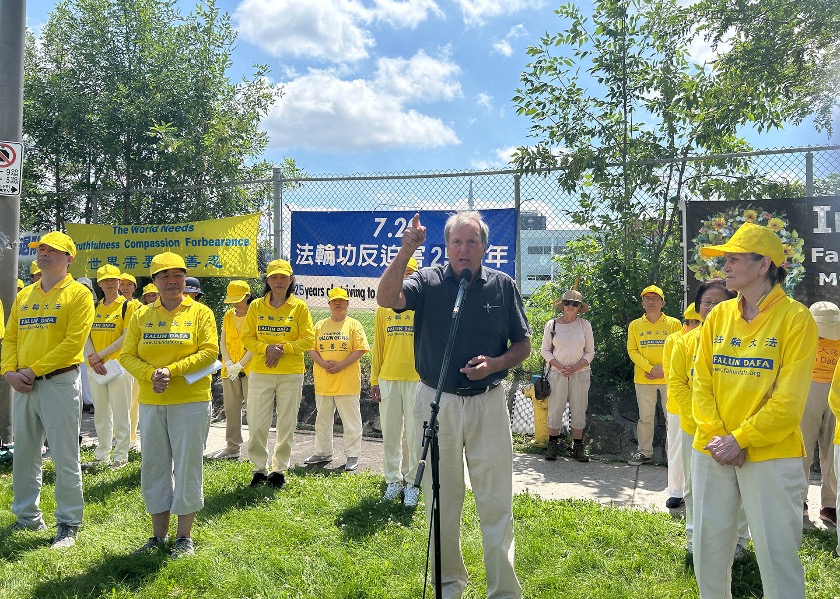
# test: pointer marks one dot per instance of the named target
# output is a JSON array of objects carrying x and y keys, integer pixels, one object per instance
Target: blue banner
[{"x": 363, "y": 244}]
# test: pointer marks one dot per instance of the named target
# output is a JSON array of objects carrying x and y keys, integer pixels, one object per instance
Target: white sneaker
[
  {"x": 227, "y": 454},
  {"x": 392, "y": 492},
  {"x": 411, "y": 496}
]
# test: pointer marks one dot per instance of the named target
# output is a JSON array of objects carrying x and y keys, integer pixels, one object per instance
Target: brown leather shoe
[
  {"x": 552, "y": 450},
  {"x": 579, "y": 453}
]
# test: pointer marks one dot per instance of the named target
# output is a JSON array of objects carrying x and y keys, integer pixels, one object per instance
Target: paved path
[{"x": 616, "y": 483}]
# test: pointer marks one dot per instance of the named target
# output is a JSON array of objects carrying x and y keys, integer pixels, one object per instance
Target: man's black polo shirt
[{"x": 492, "y": 316}]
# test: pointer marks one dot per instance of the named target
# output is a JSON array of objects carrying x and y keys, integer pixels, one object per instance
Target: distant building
[{"x": 537, "y": 245}]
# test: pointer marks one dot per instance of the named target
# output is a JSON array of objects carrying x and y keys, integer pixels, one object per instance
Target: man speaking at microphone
[{"x": 493, "y": 336}]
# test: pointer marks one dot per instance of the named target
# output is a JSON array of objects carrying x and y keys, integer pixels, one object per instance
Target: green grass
[{"x": 326, "y": 536}]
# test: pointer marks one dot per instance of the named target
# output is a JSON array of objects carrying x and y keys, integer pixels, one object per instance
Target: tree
[
  {"x": 130, "y": 94},
  {"x": 617, "y": 108}
]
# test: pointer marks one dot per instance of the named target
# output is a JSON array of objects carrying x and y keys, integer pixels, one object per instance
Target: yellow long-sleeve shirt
[
  {"x": 232, "y": 326},
  {"x": 336, "y": 341},
  {"x": 671, "y": 405},
  {"x": 108, "y": 326},
  {"x": 183, "y": 340},
  {"x": 645, "y": 345},
  {"x": 681, "y": 378},
  {"x": 751, "y": 378},
  {"x": 834, "y": 403},
  {"x": 47, "y": 331},
  {"x": 392, "y": 356},
  {"x": 290, "y": 324}
]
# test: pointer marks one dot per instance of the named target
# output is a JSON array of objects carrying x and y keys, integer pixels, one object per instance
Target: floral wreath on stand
[{"x": 719, "y": 228}]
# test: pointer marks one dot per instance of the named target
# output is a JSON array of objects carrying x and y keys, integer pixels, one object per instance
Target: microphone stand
[{"x": 430, "y": 432}]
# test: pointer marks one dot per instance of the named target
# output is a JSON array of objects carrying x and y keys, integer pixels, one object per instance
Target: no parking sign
[{"x": 11, "y": 155}]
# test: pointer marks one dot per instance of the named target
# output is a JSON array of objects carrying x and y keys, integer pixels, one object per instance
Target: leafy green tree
[{"x": 131, "y": 94}]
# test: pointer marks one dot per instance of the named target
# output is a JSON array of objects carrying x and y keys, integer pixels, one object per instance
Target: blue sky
[{"x": 382, "y": 86}]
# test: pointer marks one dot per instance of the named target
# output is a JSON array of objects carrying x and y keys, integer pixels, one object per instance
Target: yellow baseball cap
[
  {"x": 108, "y": 271},
  {"x": 34, "y": 269},
  {"x": 749, "y": 238},
  {"x": 127, "y": 277},
  {"x": 150, "y": 288},
  {"x": 165, "y": 261},
  {"x": 653, "y": 289},
  {"x": 20, "y": 284},
  {"x": 278, "y": 267},
  {"x": 412, "y": 265},
  {"x": 237, "y": 291},
  {"x": 691, "y": 313},
  {"x": 337, "y": 293},
  {"x": 56, "y": 240}
]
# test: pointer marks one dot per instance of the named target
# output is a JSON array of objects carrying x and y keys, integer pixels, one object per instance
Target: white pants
[
  {"x": 817, "y": 425},
  {"x": 400, "y": 448},
  {"x": 52, "y": 411},
  {"x": 475, "y": 429},
  {"x": 172, "y": 474},
  {"x": 351, "y": 421},
  {"x": 676, "y": 472},
  {"x": 771, "y": 493},
  {"x": 234, "y": 395},
  {"x": 267, "y": 392},
  {"x": 646, "y": 398},
  {"x": 112, "y": 416},
  {"x": 573, "y": 390}
]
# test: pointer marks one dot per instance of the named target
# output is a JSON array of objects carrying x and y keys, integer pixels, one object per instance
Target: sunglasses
[{"x": 574, "y": 303}]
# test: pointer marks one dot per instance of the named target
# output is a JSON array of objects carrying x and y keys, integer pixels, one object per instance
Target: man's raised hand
[{"x": 414, "y": 234}]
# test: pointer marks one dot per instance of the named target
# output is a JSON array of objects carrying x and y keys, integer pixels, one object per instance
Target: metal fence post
[
  {"x": 809, "y": 174},
  {"x": 517, "y": 204},
  {"x": 276, "y": 178}
]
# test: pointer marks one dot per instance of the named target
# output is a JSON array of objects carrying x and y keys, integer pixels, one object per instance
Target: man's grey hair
[{"x": 463, "y": 218}]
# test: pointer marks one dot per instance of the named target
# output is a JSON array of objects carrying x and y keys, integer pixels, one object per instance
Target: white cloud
[
  {"x": 477, "y": 11},
  {"x": 501, "y": 159},
  {"x": 701, "y": 52},
  {"x": 504, "y": 46},
  {"x": 321, "y": 111},
  {"x": 326, "y": 30},
  {"x": 484, "y": 100}
]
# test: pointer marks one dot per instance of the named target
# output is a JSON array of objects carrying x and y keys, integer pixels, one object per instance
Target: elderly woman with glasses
[{"x": 568, "y": 348}]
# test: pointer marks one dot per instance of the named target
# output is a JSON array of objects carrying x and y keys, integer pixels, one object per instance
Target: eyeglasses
[{"x": 574, "y": 303}]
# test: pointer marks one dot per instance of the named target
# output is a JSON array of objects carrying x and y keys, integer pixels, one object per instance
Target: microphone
[{"x": 466, "y": 275}]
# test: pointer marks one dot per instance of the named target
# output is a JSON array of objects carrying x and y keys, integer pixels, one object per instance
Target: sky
[{"x": 387, "y": 86}]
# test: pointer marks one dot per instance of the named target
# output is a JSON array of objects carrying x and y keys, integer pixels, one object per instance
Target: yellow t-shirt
[
  {"x": 290, "y": 324},
  {"x": 751, "y": 378},
  {"x": 108, "y": 326},
  {"x": 336, "y": 341},
  {"x": 645, "y": 345},
  {"x": 392, "y": 357},
  {"x": 183, "y": 340},
  {"x": 681, "y": 378},
  {"x": 834, "y": 403},
  {"x": 47, "y": 331},
  {"x": 232, "y": 325},
  {"x": 671, "y": 405},
  {"x": 828, "y": 350}
]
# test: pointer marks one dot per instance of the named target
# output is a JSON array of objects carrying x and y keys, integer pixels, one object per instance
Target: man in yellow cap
[
  {"x": 645, "y": 344},
  {"x": 42, "y": 350},
  {"x": 34, "y": 271},
  {"x": 150, "y": 294},
  {"x": 111, "y": 399},
  {"x": 393, "y": 385}
]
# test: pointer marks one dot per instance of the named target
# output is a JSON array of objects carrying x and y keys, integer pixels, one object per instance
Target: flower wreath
[{"x": 720, "y": 227}]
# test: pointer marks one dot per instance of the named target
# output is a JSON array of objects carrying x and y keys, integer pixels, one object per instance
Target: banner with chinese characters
[
  {"x": 809, "y": 229},
  {"x": 352, "y": 249},
  {"x": 224, "y": 247}
]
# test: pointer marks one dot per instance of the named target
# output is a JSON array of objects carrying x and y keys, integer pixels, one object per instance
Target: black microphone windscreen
[{"x": 466, "y": 274}]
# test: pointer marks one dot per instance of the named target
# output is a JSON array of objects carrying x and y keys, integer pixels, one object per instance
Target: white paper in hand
[
  {"x": 112, "y": 370},
  {"x": 200, "y": 374}
]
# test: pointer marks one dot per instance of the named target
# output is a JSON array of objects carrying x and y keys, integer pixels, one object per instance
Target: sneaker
[
  {"x": 579, "y": 453},
  {"x": 118, "y": 464},
  {"x": 258, "y": 479},
  {"x": 30, "y": 526},
  {"x": 95, "y": 464},
  {"x": 65, "y": 537},
  {"x": 638, "y": 458},
  {"x": 318, "y": 459},
  {"x": 153, "y": 544},
  {"x": 411, "y": 495},
  {"x": 352, "y": 464},
  {"x": 276, "y": 479},
  {"x": 740, "y": 554},
  {"x": 227, "y": 453},
  {"x": 552, "y": 450},
  {"x": 673, "y": 503},
  {"x": 392, "y": 492},
  {"x": 829, "y": 515},
  {"x": 182, "y": 547}
]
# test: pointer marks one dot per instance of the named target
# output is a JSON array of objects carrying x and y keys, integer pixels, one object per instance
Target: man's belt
[
  {"x": 49, "y": 375},
  {"x": 463, "y": 391}
]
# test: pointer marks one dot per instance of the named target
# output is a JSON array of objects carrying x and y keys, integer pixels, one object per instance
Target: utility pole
[{"x": 12, "y": 32}]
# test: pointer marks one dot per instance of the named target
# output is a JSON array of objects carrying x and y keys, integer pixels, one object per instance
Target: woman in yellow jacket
[
  {"x": 278, "y": 331},
  {"x": 165, "y": 342},
  {"x": 751, "y": 380}
]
